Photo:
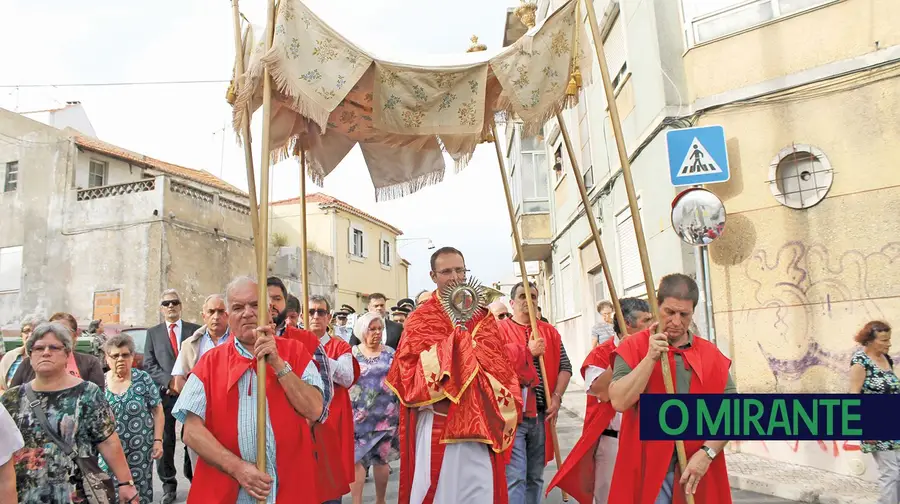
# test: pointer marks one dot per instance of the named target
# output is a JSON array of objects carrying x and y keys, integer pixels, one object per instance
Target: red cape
[
  {"x": 219, "y": 370},
  {"x": 334, "y": 439},
  {"x": 641, "y": 465},
  {"x": 576, "y": 475},
  {"x": 436, "y": 361},
  {"x": 553, "y": 343},
  {"x": 308, "y": 339}
]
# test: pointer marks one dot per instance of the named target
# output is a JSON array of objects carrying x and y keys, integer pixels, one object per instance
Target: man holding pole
[
  {"x": 647, "y": 472},
  {"x": 459, "y": 400},
  {"x": 587, "y": 472},
  {"x": 218, "y": 407},
  {"x": 533, "y": 447}
]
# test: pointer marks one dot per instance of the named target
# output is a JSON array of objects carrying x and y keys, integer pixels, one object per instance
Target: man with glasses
[
  {"x": 334, "y": 439},
  {"x": 160, "y": 352},
  {"x": 459, "y": 400},
  {"x": 499, "y": 310}
]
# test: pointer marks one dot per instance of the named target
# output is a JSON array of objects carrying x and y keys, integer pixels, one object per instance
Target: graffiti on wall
[
  {"x": 816, "y": 300},
  {"x": 834, "y": 448}
]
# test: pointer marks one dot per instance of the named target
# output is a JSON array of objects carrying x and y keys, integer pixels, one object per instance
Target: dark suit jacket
[
  {"x": 89, "y": 368},
  {"x": 392, "y": 339},
  {"x": 159, "y": 357}
]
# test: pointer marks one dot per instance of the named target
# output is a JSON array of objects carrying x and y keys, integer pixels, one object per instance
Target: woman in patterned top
[
  {"x": 76, "y": 411},
  {"x": 872, "y": 372},
  {"x": 138, "y": 410}
]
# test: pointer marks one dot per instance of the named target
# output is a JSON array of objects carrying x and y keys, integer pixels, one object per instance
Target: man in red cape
[
  {"x": 334, "y": 438},
  {"x": 587, "y": 472},
  {"x": 218, "y": 409},
  {"x": 533, "y": 446},
  {"x": 459, "y": 400},
  {"x": 647, "y": 472}
]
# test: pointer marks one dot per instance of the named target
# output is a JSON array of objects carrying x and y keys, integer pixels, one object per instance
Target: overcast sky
[{"x": 103, "y": 41}]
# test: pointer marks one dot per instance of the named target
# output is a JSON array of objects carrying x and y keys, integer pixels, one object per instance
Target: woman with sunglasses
[
  {"x": 77, "y": 414},
  {"x": 138, "y": 410}
]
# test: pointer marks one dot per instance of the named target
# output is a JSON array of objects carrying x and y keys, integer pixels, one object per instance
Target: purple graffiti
[{"x": 793, "y": 369}]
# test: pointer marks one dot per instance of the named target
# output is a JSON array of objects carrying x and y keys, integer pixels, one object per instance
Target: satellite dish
[{"x": 698, "y": 217}]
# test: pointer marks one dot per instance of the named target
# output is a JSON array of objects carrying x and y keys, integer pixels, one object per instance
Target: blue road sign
[{"x": 697, "y": 156}]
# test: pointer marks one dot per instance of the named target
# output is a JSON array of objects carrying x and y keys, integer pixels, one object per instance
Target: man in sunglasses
[{"x": 160, "y": 352}]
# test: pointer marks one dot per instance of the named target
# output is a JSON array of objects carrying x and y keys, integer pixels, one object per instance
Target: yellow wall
[
  {"x": 286, "y": 221},
  {"x": 792, "y": 287},
  {"x": 832, "y": 33}
]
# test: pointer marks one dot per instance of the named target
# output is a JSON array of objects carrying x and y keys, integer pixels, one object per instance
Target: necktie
[{"x": 172, "y": 339}]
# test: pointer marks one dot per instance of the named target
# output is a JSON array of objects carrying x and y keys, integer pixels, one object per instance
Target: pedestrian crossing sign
[{"x": 697, "y": 156}]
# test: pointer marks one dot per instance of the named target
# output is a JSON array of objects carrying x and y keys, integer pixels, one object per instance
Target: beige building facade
[
  {"x": 99, "y": 231},
  {"x": 362, "y": 248}
]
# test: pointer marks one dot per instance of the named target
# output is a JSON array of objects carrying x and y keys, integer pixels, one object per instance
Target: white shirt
[
  {"x": 342, "y": 368},
  {"x": 206, "y": 344},
  {"x": 177, "y": 329},
  {"x": 594, "y": 372},
  {"x": 10, "y": 438}
]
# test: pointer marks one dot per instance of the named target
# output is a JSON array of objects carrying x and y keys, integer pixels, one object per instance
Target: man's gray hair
[
  {"x": 631, "y": 306},
  {"x": 61, "y": 332},
  {"x": 316, "y": 298},
  {"x": 212, "y": 297},
  {"x": 234, "y": 284},
  {"x": 118, "y": 341},
  {"x": 169, "y": 292}
]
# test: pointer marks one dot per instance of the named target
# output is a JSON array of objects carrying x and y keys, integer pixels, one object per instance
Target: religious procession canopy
[{"x": 331, "y": 95}]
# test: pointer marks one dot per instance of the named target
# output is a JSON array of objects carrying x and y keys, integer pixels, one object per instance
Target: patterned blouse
[
  {"x": 878, "y": 381},
  {"x": 81, "y": 416}
]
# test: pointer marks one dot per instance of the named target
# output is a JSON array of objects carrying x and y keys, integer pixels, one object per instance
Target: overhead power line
[{"x": 98, "y": 84}]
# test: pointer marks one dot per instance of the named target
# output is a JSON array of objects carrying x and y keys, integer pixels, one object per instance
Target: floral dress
[
  {"x": 83, "y": 419},
  {"x": 133, "y": 410},
  {"x": 376, "y": 411},
  {"x": 878, "y": 381}
]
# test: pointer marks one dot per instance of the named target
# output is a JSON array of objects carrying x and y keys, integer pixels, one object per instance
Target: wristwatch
[
  {"x": 709, "y": 452},
  {"x": 284, "y": 371},
  {"x": 125, "y": 483}
]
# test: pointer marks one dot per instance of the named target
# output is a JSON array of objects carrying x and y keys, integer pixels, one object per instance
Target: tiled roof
[
  {"x": 325, "y": 201},
  {"x": 200, "y": 176}
]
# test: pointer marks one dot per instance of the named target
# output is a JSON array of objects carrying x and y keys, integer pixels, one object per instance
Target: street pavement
[{"x": 568, "y": 429}]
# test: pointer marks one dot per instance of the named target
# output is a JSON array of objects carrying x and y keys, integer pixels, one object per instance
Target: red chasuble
[
  {"x": 467, "y": 366},
  {"x": 552, "y": 344},
  {"x": 334, "y": 439},
  {"x": 641, "y": 466},
  {"x": 308, "y": 339},
  {"x": 576, "y": 475},
  {"x": 219, "y": 370}
]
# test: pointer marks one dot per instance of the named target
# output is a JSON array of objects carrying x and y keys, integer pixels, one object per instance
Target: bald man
[{"x": 499, "y": 310}]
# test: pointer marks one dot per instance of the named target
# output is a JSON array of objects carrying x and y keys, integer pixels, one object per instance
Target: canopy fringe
[
  {"x": 287, "y": 86},
  {"x": 402, "y": 189}
]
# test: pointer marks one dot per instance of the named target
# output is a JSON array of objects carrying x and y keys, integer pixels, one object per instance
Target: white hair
[
  {"x": 234, "y": 284},
  {"x": 361, "y": 326},
  {"x": 212, "y": 297},
  {"x": 169, "y": 292}
]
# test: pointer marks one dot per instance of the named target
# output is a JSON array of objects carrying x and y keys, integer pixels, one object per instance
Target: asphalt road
[{"x": 568, "y": 429}]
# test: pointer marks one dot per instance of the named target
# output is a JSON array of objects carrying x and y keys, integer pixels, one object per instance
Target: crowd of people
[{"x": 468, "y": 408}]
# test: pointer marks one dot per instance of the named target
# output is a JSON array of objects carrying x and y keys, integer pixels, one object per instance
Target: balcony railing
[
  {"x": 191, "y": 192},
  {"x": 234, "y": 206},
  {"x": 116, "y": 190}
]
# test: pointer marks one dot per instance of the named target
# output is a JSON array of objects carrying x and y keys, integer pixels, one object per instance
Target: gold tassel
[
  {"x": 230, "y": 95},
  {"x": 572, "y": 88},
  {"x": 577, "y": 75}
]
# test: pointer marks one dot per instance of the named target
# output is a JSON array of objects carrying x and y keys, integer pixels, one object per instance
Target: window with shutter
[
  {"x": 568, "y": 287},
  {"x": 356, "y": 245},
  {"x": 629, "y": 256},
  {"x": 11, "y": 179},
  {"x": 616, "y": 55}
]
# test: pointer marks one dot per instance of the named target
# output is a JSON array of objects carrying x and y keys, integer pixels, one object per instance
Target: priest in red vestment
[
  {"x": 218, "y": 409},
  {"x": 459, "y": 400},
  {"x": 586, "y": 474},
  {"x": 334, "y": 438},
  {"x": 648, "y": 472},
  {"x": 533, "y": 446}
]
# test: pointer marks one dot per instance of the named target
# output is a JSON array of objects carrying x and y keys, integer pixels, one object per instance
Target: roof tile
[{"x": 326, "y": 200}]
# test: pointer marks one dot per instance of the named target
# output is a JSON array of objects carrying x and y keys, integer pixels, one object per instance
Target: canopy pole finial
[
  {"x": 476, "y": 47},
  {"x": 526, "y": 13}
]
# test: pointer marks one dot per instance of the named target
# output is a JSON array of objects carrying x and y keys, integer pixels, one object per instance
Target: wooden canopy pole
[
  {"x": 527, "y": 284},
  {"x": 589, "y": 213},
  {"x": 263, "y": 241},
  {"x": 635, "y": 211},
  {"x": 304, "y": 266},
  {"x": 245, "y": 129}
]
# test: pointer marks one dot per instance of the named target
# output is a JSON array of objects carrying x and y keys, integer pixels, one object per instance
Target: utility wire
[{"x": 99, "y": 84}]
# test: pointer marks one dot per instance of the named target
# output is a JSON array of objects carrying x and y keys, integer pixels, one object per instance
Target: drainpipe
[{"x": 703, "y": 260}]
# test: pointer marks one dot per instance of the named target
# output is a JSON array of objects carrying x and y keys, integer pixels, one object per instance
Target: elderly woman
[
  {"x": 138, "y": 410},
  {"x": 375, "y": 409},
  {"x": 80, "y": 365},
  {"x": 9, "y": 364},
  {"x": 872, "y": 372},
  {"x": 76, "y": 412}
]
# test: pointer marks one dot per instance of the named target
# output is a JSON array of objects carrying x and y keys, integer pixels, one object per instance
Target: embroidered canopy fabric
[{"x": 332, "y": 95}]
